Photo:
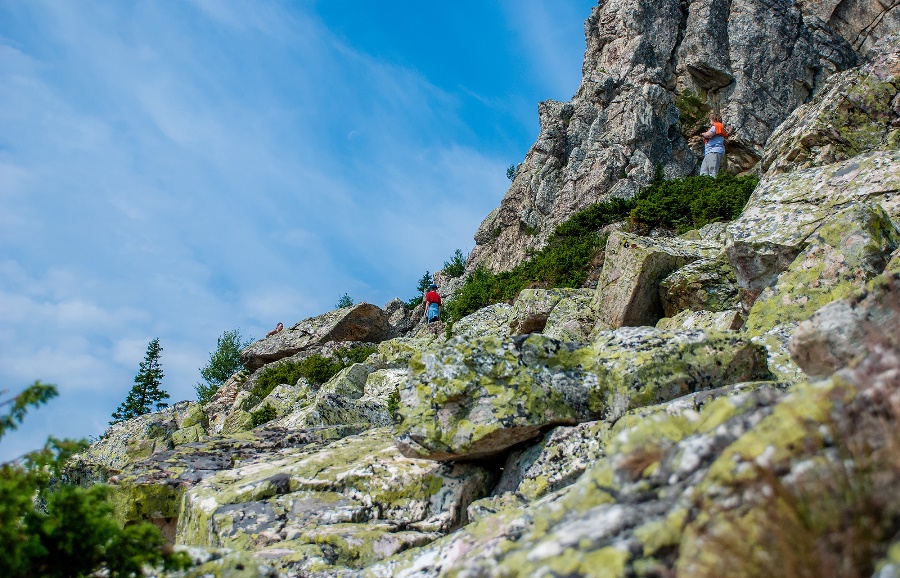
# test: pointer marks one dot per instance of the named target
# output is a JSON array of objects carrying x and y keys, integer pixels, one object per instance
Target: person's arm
[{"x": 710, "y": 133}]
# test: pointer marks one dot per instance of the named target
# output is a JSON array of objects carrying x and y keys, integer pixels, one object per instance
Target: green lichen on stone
[
  {"x": 138, "y": 502},
  {"x": 660, "y": 534}
]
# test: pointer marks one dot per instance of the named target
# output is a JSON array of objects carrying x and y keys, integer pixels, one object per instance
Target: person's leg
[
  {"x": 715, "y": 164},
  {"x": 706, "y": 165}
]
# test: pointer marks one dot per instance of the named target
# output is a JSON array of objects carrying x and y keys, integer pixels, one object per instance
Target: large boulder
[
  {"x": 573, "y": 318},
  {"x": 846, "y": 250},
  {"x": 474, "y": 399},
  {"x": 785, "y": 210},
  {"x": 857, "y": 111},
  {"x": 704, "y": 285},
  {"x": 841, "y": 334},
  {"x": 754, "y": 60},
  {"x": 363, "y": 322},
  {"x": 336, "y": 507},
  {"x": 532, "y": 308},
  {"x": 628, "y": 293}
]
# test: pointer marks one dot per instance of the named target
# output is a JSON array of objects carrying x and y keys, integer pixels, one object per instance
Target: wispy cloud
[{"x": 176, "y": 170}]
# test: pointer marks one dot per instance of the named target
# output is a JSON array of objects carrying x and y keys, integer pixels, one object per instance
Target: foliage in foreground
[
  {"x": 224, "y": 362},
  {"x": 146, "y": 391},
  {"x": 680, "y": 204},
  {"x": 73, "y": 533},
  {"x": 317, "y": 369}
]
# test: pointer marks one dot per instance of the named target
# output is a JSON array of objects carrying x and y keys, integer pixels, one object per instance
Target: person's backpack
[
  {"x": 720, "y": 130},
  {"x": 434, "y": 311}
]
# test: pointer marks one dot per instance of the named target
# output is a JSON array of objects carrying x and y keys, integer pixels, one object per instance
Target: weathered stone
[
  {"x": 476, "y": 398},
  {"x": 704, "y": 320},
  {"x": 704, "y": 285},
  {"x": 753, "y": 60},
  {"x": 490, "y": 320},
  {"x": 573, "y": 318},
  {"x": 847, "y": 249},
  {"x": 785, "y": 210},
  {"x": 621, "y": 517},
  {"x": 356, "y": 498},
  {"x": 856, "y": 112},
  {"x": 628, "y": 290},
  {"x": 533, "y": 307},
  {"x": 843, "y": 333},
  {"x": 861, "y": 22},
  {"x": 363, "y": 322},
  {"x": 400, "y": 319}
]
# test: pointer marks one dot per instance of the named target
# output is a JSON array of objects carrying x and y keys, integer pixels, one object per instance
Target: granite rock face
[
  {"x": 477, "y": 398},
  {"x": 704, "y": 285},
  {"x": 861, "y": 22},
  {"x": 755, "y": 60},
  {"x": 856, "y": 111}
]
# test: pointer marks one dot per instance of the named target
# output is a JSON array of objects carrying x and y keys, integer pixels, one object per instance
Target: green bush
[
  {"x": 693, "y": 110},
  {"x": 263, "y": 415},
  {"x": 393, "y": 404},
  {"x": 690, "y": 203},
  {"x": 56, "y": 530},
  {"x": 344, "y": 301},
  {"x": 456, "y": 266},
  {"x": 316, "y": 369}
]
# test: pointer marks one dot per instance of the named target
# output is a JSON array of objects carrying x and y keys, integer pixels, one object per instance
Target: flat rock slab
[{"x": 475, "y": 399}]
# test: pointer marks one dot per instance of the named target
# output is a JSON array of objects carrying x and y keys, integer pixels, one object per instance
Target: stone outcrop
[
  {"x": 704, "y": 285},
  {"x": 861, "y": 22},
  {"x": 363, "y": 322},
  {"x": 755, "y": 60},
  {"x": 473, "y": 399},
  {"x": 785, "y": 210},
  {"x": 628, "y": 293}
]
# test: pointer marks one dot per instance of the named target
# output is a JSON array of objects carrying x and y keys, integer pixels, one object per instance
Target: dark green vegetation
[
  {"x": 456, "y": 266},
  {"x": 224, "y": 362},
  {"x": 680, "y": 204},
  {"x": 73, "y": 532},
  {"x": 317, "y": 369},
  {"x": 263, "y": 415},
  {"x": 344, "y": 301},
  {"x": 146, "y": 391},
  {"x": 685, "y": 204},
  {"x": 421, "y": 288}
]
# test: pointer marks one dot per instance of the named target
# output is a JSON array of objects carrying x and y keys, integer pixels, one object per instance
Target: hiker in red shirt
[{"x": 432, "y": 304}]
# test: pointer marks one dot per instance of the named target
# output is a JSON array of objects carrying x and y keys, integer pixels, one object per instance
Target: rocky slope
[{"x": 723, "y": 403}]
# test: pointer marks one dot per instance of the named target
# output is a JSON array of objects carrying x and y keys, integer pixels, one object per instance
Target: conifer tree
[
  {"x": 146, "y": 390},
  {"x": 224, "y": 362}
]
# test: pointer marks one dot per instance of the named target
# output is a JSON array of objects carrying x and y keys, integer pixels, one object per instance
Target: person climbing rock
[
  {"x": 714, "y": 146},
  {"x": 277, "y": 329},
  {"x": 432, "y": 304}
]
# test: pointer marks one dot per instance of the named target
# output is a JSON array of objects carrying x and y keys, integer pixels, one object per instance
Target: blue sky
[{"x": 177, "y": 169}]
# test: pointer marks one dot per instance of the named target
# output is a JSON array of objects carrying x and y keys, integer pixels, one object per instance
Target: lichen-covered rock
[
  {"x": 622, "y": 517},
  {"x": 846, "y": 250},
  {"x": 142, "y": 436},
  {"x": 363, "y": 322},
  {"x": 628, "y": 290},
  {"x": 490, "y": 320},
  {"x": 350, "y": 503},
  {"x": 573, "y": 318},
  {"x": 704, "y": 285},
  {"x": 856, "y": 112},
  {"x": 532, "y": 308},
  {"x": 555, "y": 462},
  {"x": 839, "y": 335},
  {"x": 225, "y": 563},
  {"x": 400, "y": 318},
  {"x": 704, "y": 320},
  {"x": 476, "y": 398},
  {"x": 785, "y": 210}
]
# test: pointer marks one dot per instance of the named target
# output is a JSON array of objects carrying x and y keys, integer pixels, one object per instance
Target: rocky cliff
[{"x": 724, "y": 403}]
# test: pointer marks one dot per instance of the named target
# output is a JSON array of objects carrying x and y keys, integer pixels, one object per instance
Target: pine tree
[
  {"x": 224, "y": 362},
  {"x": 146, "y": 390}
]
